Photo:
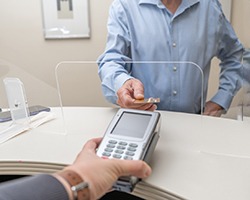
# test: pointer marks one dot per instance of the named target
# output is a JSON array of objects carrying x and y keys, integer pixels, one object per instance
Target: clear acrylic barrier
[
  {"x": 80, "y": 80},
  {"x": 78, "y": 84}
]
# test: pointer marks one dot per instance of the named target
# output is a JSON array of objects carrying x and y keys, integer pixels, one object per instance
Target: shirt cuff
[
  {"x": 223, "y": 98},
  {"x": 120, "y": 80}
]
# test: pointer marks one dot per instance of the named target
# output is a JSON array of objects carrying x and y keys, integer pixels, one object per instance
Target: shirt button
[
  {"x": 174, "y": 68},
  {"x": 174, "y": 92},
  {"x": 174, "y": 44}
]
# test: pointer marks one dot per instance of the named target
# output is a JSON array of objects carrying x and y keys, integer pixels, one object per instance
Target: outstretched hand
[{"x": 133, "y": 90}]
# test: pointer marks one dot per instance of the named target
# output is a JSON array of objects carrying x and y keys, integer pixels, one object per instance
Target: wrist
[
  {"x": 76, "y": 187},
  {"x": 66, "y": 186}
]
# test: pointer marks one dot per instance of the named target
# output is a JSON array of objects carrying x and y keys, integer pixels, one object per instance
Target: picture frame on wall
[{"x": 65, "y": 19}]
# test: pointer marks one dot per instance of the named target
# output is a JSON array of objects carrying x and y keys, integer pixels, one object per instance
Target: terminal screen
[{"x": 132, "y": 125}]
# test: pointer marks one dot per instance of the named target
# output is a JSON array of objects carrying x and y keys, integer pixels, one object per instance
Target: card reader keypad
[{"x": 120, "y": 150}]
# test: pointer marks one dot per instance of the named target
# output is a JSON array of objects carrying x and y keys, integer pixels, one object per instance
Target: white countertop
[{"x": 197, "y": 157}]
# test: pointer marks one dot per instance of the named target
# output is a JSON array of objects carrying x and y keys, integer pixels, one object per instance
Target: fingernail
[
  {"x": 140, "y": 96},
  {"x": 147, "y": 172}
]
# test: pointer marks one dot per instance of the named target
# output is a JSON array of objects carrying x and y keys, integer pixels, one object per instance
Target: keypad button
[
  {"x": 129, "y": 153},
  {"x": 133, "y": 145},
  {"x": 121, "y": 147},
  {"x": 117, "y": 156},
  {"x": 119, "y": 151},
  {"x": 128, "y": 158},
  {"x": 110, "y": 145},
  {"x": 106, "y": 154},
  {"x": 108, "y": 150},
  {"x": 123, "y": 143},
  {"x": 112, "y": 141},
  {"x": 131, "y": 149}
]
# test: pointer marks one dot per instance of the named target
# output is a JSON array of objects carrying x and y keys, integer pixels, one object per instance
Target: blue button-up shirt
[
  {"x": 171, "y": 53},
  {"x": 246, "y": 70}
]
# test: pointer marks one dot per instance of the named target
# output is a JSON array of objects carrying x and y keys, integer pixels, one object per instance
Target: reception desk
[{"x": 197, "y": 157}]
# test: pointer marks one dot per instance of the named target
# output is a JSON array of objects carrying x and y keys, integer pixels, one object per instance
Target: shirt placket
[{"x": 175, "y": 67}]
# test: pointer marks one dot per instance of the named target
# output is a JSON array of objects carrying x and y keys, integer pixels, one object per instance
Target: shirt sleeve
[
  {"x": 39, "y": 187},
  {"x": 230, "y": 52},
  {"x": 115, "y": 62}
]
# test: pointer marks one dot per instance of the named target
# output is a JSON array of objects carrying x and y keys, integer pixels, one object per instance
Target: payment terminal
[{"x": 131, "y": 135}]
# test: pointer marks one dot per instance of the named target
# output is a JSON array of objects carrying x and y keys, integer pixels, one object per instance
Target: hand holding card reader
[{"x": 131, "y": 135}]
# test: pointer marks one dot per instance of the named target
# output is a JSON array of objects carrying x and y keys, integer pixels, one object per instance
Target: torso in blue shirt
[{"x": 166, "y": 45}]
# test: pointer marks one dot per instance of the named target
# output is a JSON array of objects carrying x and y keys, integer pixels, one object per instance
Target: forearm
[
  {"x": 34, "y": 187},
  {"x": 230, "y": 52},
  {"x": 113, "y": 77}
]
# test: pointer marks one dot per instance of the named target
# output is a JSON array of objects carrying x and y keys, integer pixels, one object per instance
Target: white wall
[
  {"x": 24, "y": 52},
  {"x": 241, "y": 20},
  {"x": 227, "y": 5}
]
